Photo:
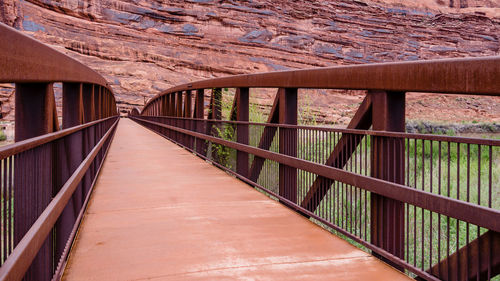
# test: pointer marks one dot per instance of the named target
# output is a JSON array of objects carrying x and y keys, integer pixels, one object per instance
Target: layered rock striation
[{"x": 143, "y": 47}]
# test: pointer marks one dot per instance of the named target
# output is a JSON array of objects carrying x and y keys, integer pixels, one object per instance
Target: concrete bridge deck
[{"x": 160, "y": 213}]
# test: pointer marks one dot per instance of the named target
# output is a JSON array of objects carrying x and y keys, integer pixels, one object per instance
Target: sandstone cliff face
[{"x": 143, "y": 47}]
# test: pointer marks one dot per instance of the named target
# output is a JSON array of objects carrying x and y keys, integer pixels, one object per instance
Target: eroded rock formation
[{"x": 143, "y": 47}]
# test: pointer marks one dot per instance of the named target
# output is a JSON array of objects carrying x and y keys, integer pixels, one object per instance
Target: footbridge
[{"x": 189, "y": 187}]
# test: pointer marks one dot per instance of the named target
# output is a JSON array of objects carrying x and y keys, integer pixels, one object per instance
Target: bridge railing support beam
[
  {"x": 288, "y": 142},
  {"x": 178, "y": 113},
  {"x": 88, "y": 101},
  {"x": 188, "y": 124},
  {"x": 35, "y": 110},
  {"x": 72, "y": 109},
  {"x": 35, "y": 116},
  {"x": 387, "y": 163},
  {"x": 242, "y": 133},
  {"x": 171, "y": 101},
  {"x": 199, "y": 114}
]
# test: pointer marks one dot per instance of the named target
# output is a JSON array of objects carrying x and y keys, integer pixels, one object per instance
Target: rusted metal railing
[
  {"x": 47, "y": 175},
  {"x": 426, "y": 204}
]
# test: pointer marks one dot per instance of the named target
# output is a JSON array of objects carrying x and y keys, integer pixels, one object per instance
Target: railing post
[
  {"x": 68, "y": 156},
  {"x": 164, "y": 106},
  {"x": 72, "y": 105},
  {"x": 288, "y": 142},
  {"x": 97, "y": 102},
  {"x": 89, "y": 134},
  {"x": 104, "y": 103},
  {"x": 199, "y": 104},
  {"x": 187, "y": 104},
  {"x": 178, "y": 103},
  {"x": 188, "y": 124},
  {"x": 35, "y": 110},
  {"x": 33, "y": 183},
  {"x": 387, "y": 163},
  {"x": 88, "y": 96},
  {"x": 242, "y": 114},
  {"x": 171, "y": 108},
  {"x": 179, "y": 137}
]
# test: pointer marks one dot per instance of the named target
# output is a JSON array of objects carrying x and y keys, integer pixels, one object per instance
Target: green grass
[
  {"x": 426, "y": 168},
  {"x": 6, "y": 208}
]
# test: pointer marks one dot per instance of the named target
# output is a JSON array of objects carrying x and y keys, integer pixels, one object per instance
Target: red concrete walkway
[{"x": 158, "y": 212}]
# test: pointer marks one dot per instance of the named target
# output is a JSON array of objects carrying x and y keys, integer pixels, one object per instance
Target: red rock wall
[{"x": 143, "y": 47}]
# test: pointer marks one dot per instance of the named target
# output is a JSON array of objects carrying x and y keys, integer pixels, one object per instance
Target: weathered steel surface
[
  {"x": 29, "y": 244},
  {"x": 288, "y": 142},
  {"x": 88, "y": 103},
  {"x": 35, "y": 110},
  {"x": 45, "y": 168},
  {"x": 443, "y": 138},
  {"x": 266, "y": 139},
  {"x": 340, "y": 155},
  {"x": 374, "y": 196},
  {"x": 480, "y": 258},
  {"x": 178, "y": 105},
  {"x": 72, "y": 104},
  {"x": 242, "y": 133},
  {"x": 461, "y": 76},
  {"x": 388, "y": 237},
  {"x": 18, "y": 147},
  {"x": 191, "y": 221},
  {"x": 199, "y": 104},
  {"x": 26, "y": 60},
  {"x": 388, "y": 162},
  {"x": 464, "y": 211}
]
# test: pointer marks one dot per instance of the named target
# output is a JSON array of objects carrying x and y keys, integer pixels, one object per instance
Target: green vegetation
[
  {"x": 227, "y": 156},
  {"x": 6, "y": 210},
  {"x": 456, "y": 170},
  {"x": 3, "y": 137},
  {"x": 467, "y": 177},
  {"x": 306, "y": 114}
]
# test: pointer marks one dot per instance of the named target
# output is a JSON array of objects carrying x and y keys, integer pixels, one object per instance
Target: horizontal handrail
[
  {"x": 394, "y": 259},
  {"x": 44, "y": 158},
  {"x": 26, "y": 60},
  {"x": 26, "y": 250},
  {"x": 371, "y": 181},
  {"x": 444, "y": 138},
  {"x": 34, "y": 68},
  {"x": 465, "y": 211},
  {"x": 18, "y": 147},
  {"x": 478, "y": 76},
  {"x": 337, "y": 177}
]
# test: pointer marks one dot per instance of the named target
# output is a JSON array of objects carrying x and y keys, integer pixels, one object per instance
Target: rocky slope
[{"x": 143, "y": 46}]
